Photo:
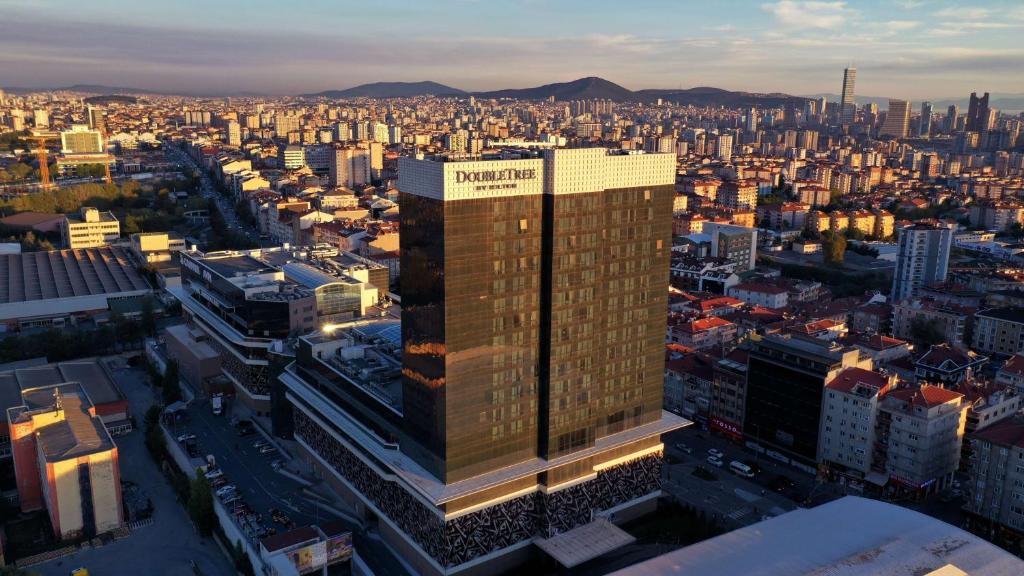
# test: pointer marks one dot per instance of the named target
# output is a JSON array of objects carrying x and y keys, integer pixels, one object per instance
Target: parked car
[
  {"x": 268, "y": 449},
  {"x": 214, "y": 474},
  {"x": 715, "y": 453},
  {"x": 225, "y": 489},
  {"x": 186, "y": 437},
  {"x": 684, "y": 448},
  {"x": 716, "y": 462}
]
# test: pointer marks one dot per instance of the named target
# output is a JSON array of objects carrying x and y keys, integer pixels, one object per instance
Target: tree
[
  {"x": 148, "y": 317},
  {"x": 200, "y": 504},
  {"x": 834, "y": 247},
  {"x": 171, "y": 383},
  {"x": 925, "y": 332}
]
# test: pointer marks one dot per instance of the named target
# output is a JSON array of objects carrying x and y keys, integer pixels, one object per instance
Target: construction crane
[{"x": 43, "y": 155}]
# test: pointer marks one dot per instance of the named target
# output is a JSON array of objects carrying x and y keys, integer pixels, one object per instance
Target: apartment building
[
  {"x": 849, "y": 411},
  {"x": 994, "y": 492},
  {"x": 738, "y": 195},
  {"x": 920, "y": 436},
  {"x": 999, "y": 331}
]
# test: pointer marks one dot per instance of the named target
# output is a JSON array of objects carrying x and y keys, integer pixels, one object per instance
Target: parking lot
[{"x": 245, "y": 477}]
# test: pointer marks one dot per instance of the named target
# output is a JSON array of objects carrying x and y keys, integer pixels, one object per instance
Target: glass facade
[
  {"x": 605, "y": 278},
  {"x": 470, "y": 287},
  {"x": 338, "y": 302},
  {"x": 533, "y": 323},
  {"x": 783, "y": 404}
]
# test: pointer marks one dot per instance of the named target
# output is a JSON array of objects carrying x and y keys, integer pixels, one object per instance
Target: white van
[{"x": 741, "y": 469}]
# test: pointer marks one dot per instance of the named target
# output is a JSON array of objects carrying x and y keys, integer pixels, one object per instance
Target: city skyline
[{"x": 912, "y": 49}]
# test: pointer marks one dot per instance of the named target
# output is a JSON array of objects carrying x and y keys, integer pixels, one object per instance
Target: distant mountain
[
  {"x": 599, "y": 88},
  {"x": 121, "y": 90},
  {"x": 100, "y": 89},
  {"x": 85, "y": 88},
  {"x": 391, "y": 90},
  {"x": 587, "y": 88},
  {"x": 708, "y": 96},
  {"x": 110, "y": 99}
]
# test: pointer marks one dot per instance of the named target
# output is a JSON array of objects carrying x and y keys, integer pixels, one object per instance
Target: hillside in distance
[
  {"x": 391, "y": 90},
  {"x": 587, "y": 88},
  {"x": 593, "y": 87}
]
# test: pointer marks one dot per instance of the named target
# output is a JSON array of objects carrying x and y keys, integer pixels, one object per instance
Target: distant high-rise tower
[
  {"x": 897, "y": 120},
  {"x": 96, "y": 119},
  {"x": 951, "y": 115},
  {"x": 751, "y": 120},
  {"x": 922, "y": 258},
  {"x": 847, "y": 108},
  {"x": 789, "y": 121},
  {"x": 978, "y": 113},
  {"x": 924, "y": 126},
  {"x": 234, "y": 133}
]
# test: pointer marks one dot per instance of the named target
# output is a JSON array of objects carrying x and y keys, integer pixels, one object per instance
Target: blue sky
[{"x": 902, "y": 48}]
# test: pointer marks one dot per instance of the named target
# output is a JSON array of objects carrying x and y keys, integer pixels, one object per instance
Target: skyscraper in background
[
  {"x": 97, "y": 120},
  {"x": 897, "y": 119},
  {"x": 751, "y": 125},
  {"x": 978, "y": 113},
  {"x": 924, "y": 125},
  {"x": 847, "y": 108},
  {"x": 951, "y": 117}
]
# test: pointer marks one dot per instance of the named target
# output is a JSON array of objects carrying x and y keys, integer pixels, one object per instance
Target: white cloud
[
  {"x": 900, "y": 25},
  {"x": 809, "y": 14},
  {"x": 964, "y": 13}
]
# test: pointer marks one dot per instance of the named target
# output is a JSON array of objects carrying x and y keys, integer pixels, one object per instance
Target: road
[
  {"x": 206, "y": 189},
  {"x": 729, "y": 495}
]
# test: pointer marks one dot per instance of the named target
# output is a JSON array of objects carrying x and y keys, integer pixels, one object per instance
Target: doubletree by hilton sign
[{"x": 506, "y": 175}]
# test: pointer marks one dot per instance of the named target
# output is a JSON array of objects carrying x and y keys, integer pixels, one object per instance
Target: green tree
[
  {"x": 926, "y": 333},
  {"x": 200, "y": 504},
  {"x": 148, "y": 317},
  {"x": 834, "y": 248},
  {"x": 171, "y": 383}
]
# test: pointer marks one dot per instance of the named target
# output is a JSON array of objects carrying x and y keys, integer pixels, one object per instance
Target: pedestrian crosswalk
[{"x": 740, "y": 513}]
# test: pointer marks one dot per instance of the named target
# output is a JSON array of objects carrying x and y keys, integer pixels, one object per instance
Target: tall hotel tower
[{"x": 533, "y": 293}]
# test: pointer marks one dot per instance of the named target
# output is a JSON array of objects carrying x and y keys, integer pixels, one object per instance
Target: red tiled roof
[
  {"x": 758, "y": 287},
  {"x": 926, "y": 395},
  {"x": 703, "y": 324},
  {"x": 846, "y": 380},
  {"x": 1015, "y": 365}
]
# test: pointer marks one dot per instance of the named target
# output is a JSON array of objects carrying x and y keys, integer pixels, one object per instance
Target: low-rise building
[
  {"x": 949, "y": 321},
  {"x": 760, "y": 294},
  {"x": 947, "y": 364},
  {"x": 62, "y": 287},
  {"x": 994, "y": 491},
  {"x": 704, "y": 333},
  {"x": 728, "y": 394},
  {"x": 89, "y": 229},
  {"x": 1012, "y": 373},
  {"x": 999, "y": 330}
]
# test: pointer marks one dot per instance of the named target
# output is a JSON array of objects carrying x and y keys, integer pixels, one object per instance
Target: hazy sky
[{"x": 902, "y": 48}]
